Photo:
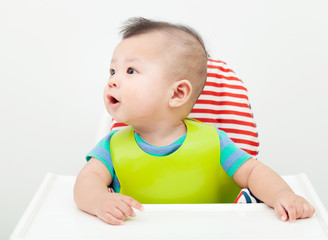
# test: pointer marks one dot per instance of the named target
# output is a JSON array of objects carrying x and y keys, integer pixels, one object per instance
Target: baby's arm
[
  {"x": 269, "y": 187},
  {"x": 91, "y": 195}
]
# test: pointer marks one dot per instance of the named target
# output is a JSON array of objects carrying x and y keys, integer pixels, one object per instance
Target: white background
[{"x": 54, "y": 58}]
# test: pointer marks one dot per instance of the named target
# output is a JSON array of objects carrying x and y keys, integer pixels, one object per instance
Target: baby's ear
[{"x": 180, "y": 94}]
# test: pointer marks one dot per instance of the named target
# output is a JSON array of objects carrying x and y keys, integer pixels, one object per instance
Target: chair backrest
[{"x": 223, "y": 103}]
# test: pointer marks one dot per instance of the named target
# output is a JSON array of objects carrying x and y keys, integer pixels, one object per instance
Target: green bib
[{"x": 191, "y": 174}]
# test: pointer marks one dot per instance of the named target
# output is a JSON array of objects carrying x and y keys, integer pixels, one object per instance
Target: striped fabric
[
  {"x": 245, "y": 196},
  {"x": 224, "y": 103}
]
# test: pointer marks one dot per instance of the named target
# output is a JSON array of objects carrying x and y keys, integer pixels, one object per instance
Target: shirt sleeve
[
  {"x": 102, "y": 152},
  {"x": 231, "y": 156}
]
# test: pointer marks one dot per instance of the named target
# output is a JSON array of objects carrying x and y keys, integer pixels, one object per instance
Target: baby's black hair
[{"x": 139, "y": 25}]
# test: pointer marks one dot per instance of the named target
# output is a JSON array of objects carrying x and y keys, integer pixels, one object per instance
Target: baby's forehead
[
  {"x": 150, "y": 39},
  {"x": 150, "y": 44}
]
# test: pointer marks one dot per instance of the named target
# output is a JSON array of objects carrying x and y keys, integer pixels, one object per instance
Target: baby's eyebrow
[
  {"x": 133, "y": 59},
  {"x": 128, "y": 60}
]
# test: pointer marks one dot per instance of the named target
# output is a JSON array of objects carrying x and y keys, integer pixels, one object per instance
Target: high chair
[{"x": 224, "y": 103}]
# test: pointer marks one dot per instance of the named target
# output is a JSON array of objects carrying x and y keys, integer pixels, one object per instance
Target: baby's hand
[
  {"x": 113, "y": 208},
  {"x": 289, "y": 205}
]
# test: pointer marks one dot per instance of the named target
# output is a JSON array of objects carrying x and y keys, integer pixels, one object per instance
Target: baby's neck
[{"x": 162, "y": 134}]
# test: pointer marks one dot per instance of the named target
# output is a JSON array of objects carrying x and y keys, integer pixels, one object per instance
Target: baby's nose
[{"x": 112, "y": 83}]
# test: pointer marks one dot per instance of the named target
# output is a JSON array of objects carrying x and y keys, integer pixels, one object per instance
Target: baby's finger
[
  {"x": 117, "y": 213},
  {"x": 291, "y": 210},
  {"x": 109, "y": 218},
  {"x": 281, "y": 213},
  {"x": 132, "y": 202},
  {"x": 126, "y": 209},
  {"x": 299, "y": 209},
  {"x": 308, "y": 210}
]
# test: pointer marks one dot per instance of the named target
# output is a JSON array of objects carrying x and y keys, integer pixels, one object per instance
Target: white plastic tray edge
[
  {"x": 321, "y": 210},
  {"x": 30, "y": 212},
  {"x": 35, "y": 204}
]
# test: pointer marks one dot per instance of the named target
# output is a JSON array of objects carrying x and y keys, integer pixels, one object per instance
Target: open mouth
[{"x": 112, "y": 100}]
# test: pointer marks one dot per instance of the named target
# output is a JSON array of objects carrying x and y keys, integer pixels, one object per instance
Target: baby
[{"x": 157, "y": 73}]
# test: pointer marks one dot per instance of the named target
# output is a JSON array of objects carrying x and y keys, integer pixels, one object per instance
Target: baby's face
[{"x": 138, "y": 88}]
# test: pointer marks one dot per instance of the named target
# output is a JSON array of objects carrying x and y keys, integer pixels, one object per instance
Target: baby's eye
[
  {"x": 112, "y": 72},
  {"x": 131, "y": 71}
]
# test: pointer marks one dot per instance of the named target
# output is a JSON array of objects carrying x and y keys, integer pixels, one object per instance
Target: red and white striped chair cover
[{"x": 224, "y": 103}]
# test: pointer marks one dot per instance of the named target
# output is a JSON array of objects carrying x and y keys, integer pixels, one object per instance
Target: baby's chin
[{"x": 113, "y": 115}]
